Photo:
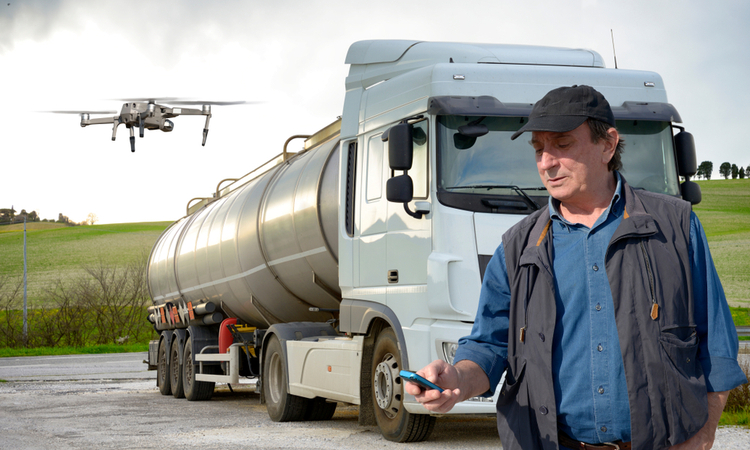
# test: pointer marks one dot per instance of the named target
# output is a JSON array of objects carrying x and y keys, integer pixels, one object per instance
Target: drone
[{"x": 146, "y": 114}]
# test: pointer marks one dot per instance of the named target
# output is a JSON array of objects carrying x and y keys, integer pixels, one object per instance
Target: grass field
[
  {"x": 725, "y": 215},
  {"x": 56, "y": 252}
]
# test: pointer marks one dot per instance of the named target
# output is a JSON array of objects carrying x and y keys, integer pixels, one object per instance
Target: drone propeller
[
  {"x": 81, "y": 112},
  {"x": 210, "y": 102}
]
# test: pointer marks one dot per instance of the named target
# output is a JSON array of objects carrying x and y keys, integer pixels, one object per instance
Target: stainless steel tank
[{"x": 266, "y": 252}]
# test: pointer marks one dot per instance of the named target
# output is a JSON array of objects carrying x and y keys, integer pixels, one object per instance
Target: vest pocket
[
  {"x": 510, "y": 386},
  {"x": 684, "y": 383}
]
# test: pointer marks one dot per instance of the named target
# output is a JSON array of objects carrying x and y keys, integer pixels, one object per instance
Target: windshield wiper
[{"x": 520, "y": 191}]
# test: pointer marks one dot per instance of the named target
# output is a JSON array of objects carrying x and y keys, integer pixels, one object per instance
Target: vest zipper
[{"x": 654, "y": 305}]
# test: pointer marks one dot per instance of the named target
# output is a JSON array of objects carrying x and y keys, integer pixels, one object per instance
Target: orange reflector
[
  {"x": 329, "y": 368},
  {"x": 190, "y": 311}
]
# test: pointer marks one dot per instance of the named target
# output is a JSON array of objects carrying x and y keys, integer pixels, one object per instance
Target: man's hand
[
  {"x": 459, "y": 382},
  {"x": 704, "y": 439}
]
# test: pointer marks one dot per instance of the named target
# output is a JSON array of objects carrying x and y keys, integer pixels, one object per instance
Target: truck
[{"x": 326, "y": 271}]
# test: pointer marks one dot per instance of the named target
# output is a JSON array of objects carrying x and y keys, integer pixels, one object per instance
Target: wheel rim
[
  {"x": 188, "y": 369},
  {"x": 386, "y": 373},
  {"x": 275, "y": 378},
  {"x": 162, "y": 363},
  {"x": 175, "y": 366}
]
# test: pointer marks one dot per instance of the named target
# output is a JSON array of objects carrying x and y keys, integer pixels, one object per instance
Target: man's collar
[{"x": 554, "y": 204}]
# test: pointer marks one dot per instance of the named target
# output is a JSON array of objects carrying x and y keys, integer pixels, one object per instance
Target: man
[{"x": 605, "y": 308}]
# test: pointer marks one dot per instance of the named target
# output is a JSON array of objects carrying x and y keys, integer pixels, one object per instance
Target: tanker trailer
[{"x": 326, "y": 271}]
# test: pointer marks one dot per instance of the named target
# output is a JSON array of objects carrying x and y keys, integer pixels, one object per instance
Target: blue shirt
[{"x": 589, "y": 376}]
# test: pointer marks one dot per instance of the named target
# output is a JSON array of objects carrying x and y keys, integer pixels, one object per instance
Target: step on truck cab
[{"x": 363, "y": 253}]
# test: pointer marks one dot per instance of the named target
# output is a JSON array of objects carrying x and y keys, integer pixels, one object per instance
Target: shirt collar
[{"x": 615, "y": 205}]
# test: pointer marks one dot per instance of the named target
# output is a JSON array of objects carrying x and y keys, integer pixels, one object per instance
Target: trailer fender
[
  {"x": 181, "y": 336},
  {"x": 202, "y": 337}
]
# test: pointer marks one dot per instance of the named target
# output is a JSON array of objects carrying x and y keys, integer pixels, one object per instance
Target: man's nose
[{"x": 546, "y": 160}]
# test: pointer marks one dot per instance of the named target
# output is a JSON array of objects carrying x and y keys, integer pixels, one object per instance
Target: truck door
[
  {"x": 372, "y": 216},
  {"x": 408, "y": 240}
]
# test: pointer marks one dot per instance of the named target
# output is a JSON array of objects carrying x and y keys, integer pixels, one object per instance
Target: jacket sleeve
[
  {"x": 715, "y": 327},
  {"x": 487, "y": 345}
]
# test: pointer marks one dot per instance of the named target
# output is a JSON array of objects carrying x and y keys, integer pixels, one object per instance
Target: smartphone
[{"x": 414, "y": 378}]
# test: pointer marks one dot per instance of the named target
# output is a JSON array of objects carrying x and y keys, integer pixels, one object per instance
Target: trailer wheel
[
  {"x": 194, "y": 390},
  {"x": 281, "y": 406},
  {"x": 162, "y": 369},
  {"x": 395, "y": 423},
  {"x": 175, "y": 370}
]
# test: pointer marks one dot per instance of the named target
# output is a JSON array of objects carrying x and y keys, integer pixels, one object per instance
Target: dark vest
[{"x": 648, "y": 267}]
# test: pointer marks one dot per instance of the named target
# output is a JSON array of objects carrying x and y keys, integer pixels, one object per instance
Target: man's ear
[{"x": 610, "y": 144}]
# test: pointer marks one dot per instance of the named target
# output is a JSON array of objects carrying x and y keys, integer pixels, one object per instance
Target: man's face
[{"x": 571, "y": 166}]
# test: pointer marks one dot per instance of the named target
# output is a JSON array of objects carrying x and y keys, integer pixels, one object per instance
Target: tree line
[
  {"x": 726, "y": 169},
  {"x": 8, "y": 216}
]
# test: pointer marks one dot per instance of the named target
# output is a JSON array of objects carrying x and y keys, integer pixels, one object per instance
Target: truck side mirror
[
  {"x": 687, "y": 166},
  {"x": 691, "y": 192},
  {"x": 400, "y": 146},
  {"x": 687, "y": 163},
  {"x": 399, "y": 189}
]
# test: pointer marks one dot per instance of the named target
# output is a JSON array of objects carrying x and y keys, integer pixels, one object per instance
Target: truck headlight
[{"x": 449, "y": 351}]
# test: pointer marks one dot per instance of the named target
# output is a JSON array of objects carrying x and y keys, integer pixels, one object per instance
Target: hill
[
  {"x": 725, "y": 214},
  {"x": 60, "y": 252}
]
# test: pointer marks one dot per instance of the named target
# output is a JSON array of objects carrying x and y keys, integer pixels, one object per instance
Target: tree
[
  {"x": 62, "y": 219},
  {"x": 725, "y": 170},
  {"x": 91, "y": 219},
  {"x": 705, "y": 169},
  {"x": 735, "y": 171},
  {"x": 742, "y": 173}
]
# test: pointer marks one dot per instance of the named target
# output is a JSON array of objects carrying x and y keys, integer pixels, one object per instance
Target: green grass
[
  {"x": 56, "y": 252},
  {"x": 90, "y": 349},
  {"x": 725, "y": 215}
]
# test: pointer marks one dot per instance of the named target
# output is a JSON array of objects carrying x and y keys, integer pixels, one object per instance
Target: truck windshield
[{"x": 490, "y": 173}]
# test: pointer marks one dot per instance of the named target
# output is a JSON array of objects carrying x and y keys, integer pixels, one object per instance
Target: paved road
[{"x": 111, "y": 402}]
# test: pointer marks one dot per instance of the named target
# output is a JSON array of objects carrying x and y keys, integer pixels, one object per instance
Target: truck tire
[
  {"x": 281, "y": 406},
  {"x": 395, "y": 422},
  {"x": 175, "y": 370},
  {"x": 162, "y": 369},
  {"x": 194, "y": 390},
  {"x": 320, "y": 409}
]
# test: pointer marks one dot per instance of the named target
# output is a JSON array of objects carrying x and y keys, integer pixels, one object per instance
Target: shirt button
[
  {"x": 601, "y": 390},
  {"x": 600, "y": 348},
  {"x": 596, "y": 268},
  {"x": 598, "y": 307},
  {"x": 543, "y": 410},
  {"x": 604, "y": 429},
  {"x": 541, "y": 336}
]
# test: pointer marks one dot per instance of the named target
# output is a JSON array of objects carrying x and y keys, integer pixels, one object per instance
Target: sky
[{"x": 287, "y": 59}]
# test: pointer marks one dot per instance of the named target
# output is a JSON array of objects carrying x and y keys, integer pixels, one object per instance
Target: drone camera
[{"x": 168, "y": 125}]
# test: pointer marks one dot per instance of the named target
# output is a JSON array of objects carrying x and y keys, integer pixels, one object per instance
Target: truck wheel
[
  {"x": 162, "y": 369},
  {"x": 320, "y": 409},
  {"x": 281, "y": 406},
  {"x": 395, "y": 423},
  {"x": 175, "y": 370},
  {"x": 194, "y": 390}
]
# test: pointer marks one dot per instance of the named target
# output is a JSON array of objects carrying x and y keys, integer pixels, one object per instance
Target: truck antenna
[{"x": 613, "y": 46}]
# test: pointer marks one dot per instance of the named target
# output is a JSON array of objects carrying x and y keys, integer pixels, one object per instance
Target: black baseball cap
[{"x": 566, "y": 108}]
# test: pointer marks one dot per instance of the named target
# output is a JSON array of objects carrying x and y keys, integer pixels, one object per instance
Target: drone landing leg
[
  {"x": 114, "y": 128},
  {"x": 205, "y": 130},
  {"x": 132, "y": 139}
]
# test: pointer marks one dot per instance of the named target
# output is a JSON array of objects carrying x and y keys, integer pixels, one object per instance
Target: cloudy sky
[{"x": 289, "y": 57}]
